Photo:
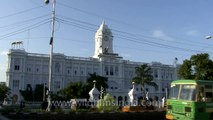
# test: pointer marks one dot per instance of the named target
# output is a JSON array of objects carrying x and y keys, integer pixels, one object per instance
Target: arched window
[
  {"x": 111, "y": 70},
  {"x": 57, "y": 68},
  {"x": 17, "y": 64}
]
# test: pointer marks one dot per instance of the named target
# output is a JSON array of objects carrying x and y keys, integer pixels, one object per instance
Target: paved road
[
  {"x": 90, "y": 116},
  {"x": 3, "y": 118}
]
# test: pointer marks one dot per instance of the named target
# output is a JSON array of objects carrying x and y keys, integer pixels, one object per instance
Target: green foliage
[
  {"x": 80, "y": 90},
  {"x": 108, "y": 104},
  {"x": 185, "y": 70},
  {"x": 100, "y": 81},
  {"x": 74, "y": 90},
  {"x": 36, "y": 95},
  {"x": 6, "y": 110},
  {"x": 199, "y": 67},
  {"x": 144, "y": 77},
  {"x": 3, "y": 91},
  {"x": 28, "y": 93}
]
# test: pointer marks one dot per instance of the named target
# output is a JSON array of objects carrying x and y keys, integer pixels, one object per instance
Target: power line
[
  {"x": 142, "y": 39},
  {"x": 20, "y": 12},
  {"x": 78, "y": 25},
  {"x": 93, "y": 14},
  {"x": 25, "y": 29},
  {"x": 136, "y": 40},
  {"x": 153, "y": 38},
  {"x": 71, "y": 19},
  {"x": 126, "y": 36},
  {"x": 143, "y": 36},
  {"x": 21, "y": 23},
  {"x": 149, "y": 37}
]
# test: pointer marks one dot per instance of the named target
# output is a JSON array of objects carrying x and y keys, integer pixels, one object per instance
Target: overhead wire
[
  {"x": 93, "y": 14},
  {"x": 79, "y": 25},
  {"x": 144, "y": 41},
  {"x": 68, "y": 18},
  {"x": 23, "y": 22},
  {"x": 20, "y": 12},
  {"x": 165, "y": 40},
  {"x": 20, "y": 23},
  {"x": 150, "y": 37},
  {"x": 136, "y": 38},
  {"x": 33, "y": 26},
  {"x": 124, "y": 35}
]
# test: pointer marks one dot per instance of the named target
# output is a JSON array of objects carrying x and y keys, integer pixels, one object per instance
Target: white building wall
[{"x": 33, "y": 68}]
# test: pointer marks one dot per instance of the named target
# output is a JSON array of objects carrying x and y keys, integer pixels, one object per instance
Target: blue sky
[{"x": 143, "y": 30}]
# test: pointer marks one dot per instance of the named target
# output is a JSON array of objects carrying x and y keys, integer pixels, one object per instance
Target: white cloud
[
  {"x": 192, "y": 33},
  {"x": 4, "y": 53},
  {"x": 159, "y": 34}
]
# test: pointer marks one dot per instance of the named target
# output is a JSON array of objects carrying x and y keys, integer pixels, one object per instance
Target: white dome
[{"x": 94, "y": 91}]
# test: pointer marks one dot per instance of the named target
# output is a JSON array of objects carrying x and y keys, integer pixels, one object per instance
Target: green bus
[{"x": 190, "y": 100}]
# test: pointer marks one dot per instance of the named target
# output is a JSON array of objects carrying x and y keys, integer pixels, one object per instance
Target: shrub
[{"x": 108, "y": 104}]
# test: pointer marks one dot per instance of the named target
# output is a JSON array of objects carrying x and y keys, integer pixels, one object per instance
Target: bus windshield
[
  {"x": 187, "y": 92},
  {"x": 173, "y": 94}
]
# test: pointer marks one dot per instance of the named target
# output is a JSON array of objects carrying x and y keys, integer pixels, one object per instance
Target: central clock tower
[{"x": 103, "y": 41}]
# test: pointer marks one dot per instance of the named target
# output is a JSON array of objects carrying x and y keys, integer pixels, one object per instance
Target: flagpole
[{"x": 51, "y": 54}]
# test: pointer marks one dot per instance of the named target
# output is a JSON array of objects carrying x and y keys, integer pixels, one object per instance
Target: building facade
[{"x": 33, "y": 68}]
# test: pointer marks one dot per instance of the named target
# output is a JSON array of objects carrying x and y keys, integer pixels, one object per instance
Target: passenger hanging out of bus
[{"x": 201, "y": 97}]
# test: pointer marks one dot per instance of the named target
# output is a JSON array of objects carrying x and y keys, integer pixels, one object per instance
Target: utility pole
[{"x": 51, "y": 53}]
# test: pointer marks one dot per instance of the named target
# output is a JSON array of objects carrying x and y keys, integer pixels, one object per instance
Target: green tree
[
  {"x": 74, "y": 90},
  {"x": 36, "y": 95},
  {"x": 100, "y": 81},
  {"x": 185, "y": 71},
  {"x": 39, "y": 92},
  {"x": 80, "y": 90},
  {"x": 3, "y": 91},
  {"x": 198, "y": 67},
  {"x": 144, "y": 77},
  {"x": 27, "y": 93}
]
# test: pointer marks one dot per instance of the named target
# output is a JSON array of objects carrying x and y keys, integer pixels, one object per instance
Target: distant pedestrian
[
  {"x": 163, "y": 102},
  {"x": 147, "y": 96}
]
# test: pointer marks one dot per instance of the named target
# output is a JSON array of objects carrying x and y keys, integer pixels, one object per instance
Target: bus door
[{"x": 205, "y": 93}]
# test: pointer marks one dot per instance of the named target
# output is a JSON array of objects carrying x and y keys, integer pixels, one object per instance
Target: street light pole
[{"x": 51, "y": 53}]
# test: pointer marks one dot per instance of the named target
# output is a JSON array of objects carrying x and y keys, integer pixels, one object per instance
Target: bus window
[
  {"x": 209, "y": 97},
  {"x": 187, "y": 92},
  {"x": 201, "y": 95},
  {"x": 174, "y": 90},
  {"x": 208, "y": 87}
]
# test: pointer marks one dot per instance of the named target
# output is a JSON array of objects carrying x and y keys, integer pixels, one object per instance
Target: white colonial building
[{"x": 33, "y": 68}]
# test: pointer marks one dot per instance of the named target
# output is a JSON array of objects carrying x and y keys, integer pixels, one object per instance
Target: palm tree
[{"x": 144, "y": 77}]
